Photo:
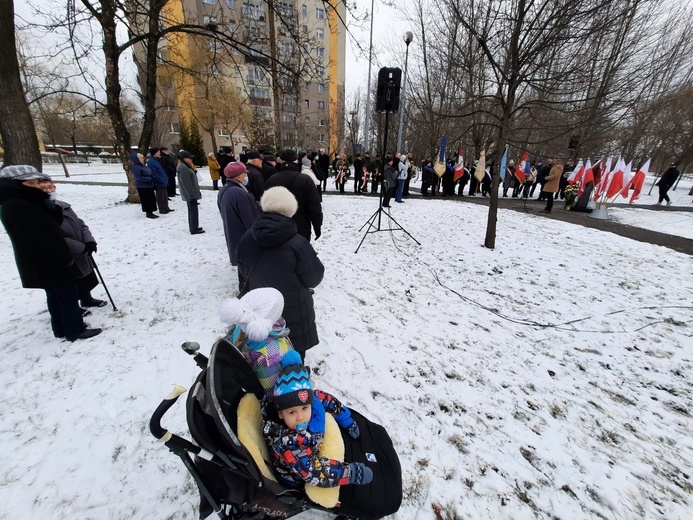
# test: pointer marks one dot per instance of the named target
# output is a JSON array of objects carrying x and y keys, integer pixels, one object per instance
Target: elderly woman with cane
[{"x": 82, "y": 244}]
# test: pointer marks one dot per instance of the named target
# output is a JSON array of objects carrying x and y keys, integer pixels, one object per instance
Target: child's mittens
[
  {"x": 360, "y": 474},
  {"x": 353, "y": 430},
  {"x": 347, "y": 423},
  {"x": 317, "y": 417}
]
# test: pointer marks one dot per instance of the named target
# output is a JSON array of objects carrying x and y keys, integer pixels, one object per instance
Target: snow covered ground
[{"x": 548, "y": 378}]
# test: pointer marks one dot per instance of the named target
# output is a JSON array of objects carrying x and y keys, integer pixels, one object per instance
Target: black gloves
[{"x": 90, "y": 247}]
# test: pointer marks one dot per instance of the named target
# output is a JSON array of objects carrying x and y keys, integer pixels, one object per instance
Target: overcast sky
[{"x": 390, "y": 24}]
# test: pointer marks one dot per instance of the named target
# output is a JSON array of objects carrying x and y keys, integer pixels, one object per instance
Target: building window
[
  {"x": 321, "y": 122},
  {"x": 251, "y": 11},
  {"x": 285, "y": 9},
  {"x": 320, "y": 51},
  {"x": 321, "y": 105},
  {"x": 230, "y": 3},
  {"x": 306, "y": 120},
  {"x": 209, "y": 20},
  {"x": 320, "y": 70},
  {"x": 290, "y": 102},
  {"x": 169, "y": 105},
  {"x": 224, "y": 133},
  {"x": 209, "y": 1},
  {"x": 162, "y": 55},
  {"x": 214, "y": 46},
  {"x": 320, "y": 33},
  {"x": 306, "y": 103},
  {"x": 174, "y": 128},
  {"x": 288, "y": 118},
  {"x": 304, "y": 10},
  {"x": 321, "y": 88},
  {"x": 287, "y": 48},
  {"x": 321, "y": 138},
  {"x": 232, "y": 27},
  {"x": 258, "y": 93},
  {"x": 320, "y": 14}
]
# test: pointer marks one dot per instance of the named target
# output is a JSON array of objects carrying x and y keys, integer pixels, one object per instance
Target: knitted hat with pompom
[
  {"x": 293, "y": 387},
  {"x": 256, "y": 312}
]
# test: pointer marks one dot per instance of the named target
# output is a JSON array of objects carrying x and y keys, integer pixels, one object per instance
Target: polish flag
[
  {"x": 588, "y": 176},
  {"x": 459, "y": 167},
  {"x": 616, "y": 183},
  {"x": 577, "y": 172},
  {"x": 604, "y": 180},
  {"x": 627, "y": 176},
  {"x": 638, "y": 180}
]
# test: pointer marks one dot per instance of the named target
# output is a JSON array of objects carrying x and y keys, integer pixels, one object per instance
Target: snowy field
[{"x": 548, "y": 378}]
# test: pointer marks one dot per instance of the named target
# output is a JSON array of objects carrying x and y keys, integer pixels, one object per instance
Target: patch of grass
[{"x": 459, "y": 443}]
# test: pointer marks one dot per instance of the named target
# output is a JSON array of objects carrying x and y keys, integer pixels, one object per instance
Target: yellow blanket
[{"x": 250, "y": 435}]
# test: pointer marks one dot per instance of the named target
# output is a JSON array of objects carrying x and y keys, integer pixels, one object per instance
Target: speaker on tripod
[{"x": 387, "y": 92}]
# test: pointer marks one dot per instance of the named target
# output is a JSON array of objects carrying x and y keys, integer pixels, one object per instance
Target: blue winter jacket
[
  {"x": 157, "y": 169},
  {"x": 143, "y": 175}
]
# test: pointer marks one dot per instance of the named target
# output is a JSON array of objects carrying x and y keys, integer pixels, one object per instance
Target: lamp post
[
  {"x": 408, "y": 37},
  {"x": 353, "y": 137},
  {"x": 367, "y": 125}
]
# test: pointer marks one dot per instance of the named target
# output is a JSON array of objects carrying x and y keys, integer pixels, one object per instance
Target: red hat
[{"x": 234, "y": 169}]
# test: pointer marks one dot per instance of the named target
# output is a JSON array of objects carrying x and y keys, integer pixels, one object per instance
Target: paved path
[{"x": 533, "y": 207}]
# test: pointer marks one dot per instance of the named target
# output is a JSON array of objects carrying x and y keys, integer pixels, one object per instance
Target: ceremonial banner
[
  {"x": 520, "y": 168},
  {"x": 638, "y": 181},
  {"x": 459, "y": 167},
  {"x": 439, "y": 166},
  {"x": 504, "y": 162},
  {"x": 480, "y": 169}
]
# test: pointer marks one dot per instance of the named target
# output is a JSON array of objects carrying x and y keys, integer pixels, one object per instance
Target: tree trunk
[{"x": 16, "y": 125}]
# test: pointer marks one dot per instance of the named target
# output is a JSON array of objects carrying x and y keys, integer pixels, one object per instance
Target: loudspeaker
[{"x": 387, "y": 94}]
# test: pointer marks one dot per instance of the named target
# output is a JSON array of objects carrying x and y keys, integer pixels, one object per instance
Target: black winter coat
[
  {"x": 256, "y": 184},
  {"x": 668, "y": 178},
  {"x": 44, "y": 260},
  {"x": 307, "y": 196},
  {"x": 272, "y": 254}
]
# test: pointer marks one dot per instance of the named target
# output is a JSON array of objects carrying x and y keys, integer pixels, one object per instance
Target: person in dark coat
[
  {"x": 237, "y": 206},
  {"x": 160, "y": 180},
  {"x": 144, "y": 182},
  {"x": 389, "y": 181},
  {"x": 427, "y": 176},
  {"x": 358, "y": 173},
  {"x": 189, "y": 190},
  {"x": 82, "y": 244},
  {"x": 666, "y": 182},
  {"x": 304, "y": 190},
  {"x": 324, "y": 165},
  {"x": 43, "y": 258},
  {"x": 269, "y": 167},
  {"x": 256, "y": 182},
  {"x": 169, "y": 164},
  {"x": 273, "y": 254},
  {"x": 224, "y": 157}
]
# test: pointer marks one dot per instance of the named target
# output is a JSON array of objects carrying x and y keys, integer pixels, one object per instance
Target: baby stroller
[{"x": 226, "y": 459}]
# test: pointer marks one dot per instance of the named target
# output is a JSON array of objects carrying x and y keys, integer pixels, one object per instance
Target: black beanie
[{"x": 152, "y": 151}]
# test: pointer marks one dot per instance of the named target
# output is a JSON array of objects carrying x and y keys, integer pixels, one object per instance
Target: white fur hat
[
  {"x": 279, "y": 200},
  {"x": 256, "y": 312}
]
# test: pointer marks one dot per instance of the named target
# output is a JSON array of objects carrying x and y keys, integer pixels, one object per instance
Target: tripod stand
[{"x": 379, "y": 212}]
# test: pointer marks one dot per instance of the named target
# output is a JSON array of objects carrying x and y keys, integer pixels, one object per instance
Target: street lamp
[
  {"x": 367, "y": 129},
  {"x": 353, "y": 137},
  {"x": 408, "y": 37}
]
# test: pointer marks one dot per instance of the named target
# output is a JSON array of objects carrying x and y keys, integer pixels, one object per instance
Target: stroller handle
[{"x": 155, "y": 422}]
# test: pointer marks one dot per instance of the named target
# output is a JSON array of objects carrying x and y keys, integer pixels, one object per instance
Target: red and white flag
[
  {"x": 587, "y": 176},
  {"x": 459, "y": 167},
  {"x": 604, "y": 180},
  {"x": 638, "y": 180},
  {"x": 627, "y": 176},
  {"x": 520, "y": 168},
  {"x": 616, "y": 182},
  {"x": 577, "y": 172}
]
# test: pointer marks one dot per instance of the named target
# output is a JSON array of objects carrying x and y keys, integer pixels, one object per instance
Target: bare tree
[{"x": 16, "y": 125}]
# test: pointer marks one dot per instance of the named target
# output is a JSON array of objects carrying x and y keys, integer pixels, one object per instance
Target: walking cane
[{"x": 93, "y": 263}]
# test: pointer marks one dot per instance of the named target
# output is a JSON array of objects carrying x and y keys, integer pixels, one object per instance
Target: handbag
[{"x": 244, "y": 285}]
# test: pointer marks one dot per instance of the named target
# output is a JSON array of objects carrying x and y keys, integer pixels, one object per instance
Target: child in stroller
[
  {"x": 233, "y": 467},
  {"x": 294, "y": 427}
]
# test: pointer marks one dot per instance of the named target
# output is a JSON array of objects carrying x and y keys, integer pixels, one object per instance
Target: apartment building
[{"x": 241, "y": 96}]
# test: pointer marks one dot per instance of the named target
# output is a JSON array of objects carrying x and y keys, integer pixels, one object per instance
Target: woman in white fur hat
[{"x": 272, "y": 254}]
